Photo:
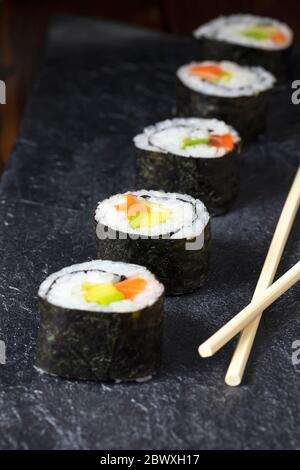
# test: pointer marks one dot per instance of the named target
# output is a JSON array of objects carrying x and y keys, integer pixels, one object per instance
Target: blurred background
[{"x": 24, "y": 25}]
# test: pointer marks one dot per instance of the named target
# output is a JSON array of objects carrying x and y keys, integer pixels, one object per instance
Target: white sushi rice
[
  {"x": 230, "y": 29},
  {"x": 244, "y": 81},
  {"x": 188, "y": 220},
  {"x": 167, "y": 136},
  {"x": 63, "y": 288}
]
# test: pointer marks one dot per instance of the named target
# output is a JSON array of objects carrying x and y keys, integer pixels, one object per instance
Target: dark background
[{"x": 24, "y": 25}]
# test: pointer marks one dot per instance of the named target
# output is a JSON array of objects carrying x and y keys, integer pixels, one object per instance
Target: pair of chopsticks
[{"x": 247, "y": 321}]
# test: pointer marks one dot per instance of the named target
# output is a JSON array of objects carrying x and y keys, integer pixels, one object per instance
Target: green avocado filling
[
  {"x": 260, "y": 33},
  {"x": 188, "y": 142},
  {"x": 225, "y": 76},
  {"x": 101, "y": 294},
  {"x": 156, "y": 215}
]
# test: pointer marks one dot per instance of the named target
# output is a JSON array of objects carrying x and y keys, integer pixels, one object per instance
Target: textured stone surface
[{"x": 100, "y": 84}]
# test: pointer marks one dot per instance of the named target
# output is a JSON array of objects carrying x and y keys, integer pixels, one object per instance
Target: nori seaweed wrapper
[
  {"x": 99, "y": 346},
  {"x": 181, "y": 270},
  {"x": 275, "y": 61},
  {"x": 247, "y": 114},
  {"x": 215, "y": 181}
]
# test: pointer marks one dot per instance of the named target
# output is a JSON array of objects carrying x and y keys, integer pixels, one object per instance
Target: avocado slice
[
  {"x": 155, "y": 216},
  {"x": 188, "y": 142},
  {"x": 101, "y": 294},
  {"x": 259, "y": 33}
]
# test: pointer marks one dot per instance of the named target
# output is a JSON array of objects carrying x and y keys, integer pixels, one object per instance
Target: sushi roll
[
  {"x": 235, "y": 94},
  {"x": 193, "y": 156},
  {"x": 101, "y": 321},
  {"x": 249, "y": 40},
  {"x": 168, "y": 233}
]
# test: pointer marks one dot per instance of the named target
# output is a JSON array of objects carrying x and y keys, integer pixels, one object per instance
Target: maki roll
[
  {"x": 248, "y": 39},
  {"x": 235, "y": 94},
  {"x": 101, "y": 321},
  {"x": 168, "y": 233},
  {"x": 194, "y": 156}
]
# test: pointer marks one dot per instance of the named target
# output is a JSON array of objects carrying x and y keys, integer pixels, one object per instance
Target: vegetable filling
[
  {"x": 210, "y": 72},
  {"x": 141, "y": 214},
  {"x": 265, "y": 33},
  {"x": 220, "y": 141},
  {"x": 105, "y": 294}
]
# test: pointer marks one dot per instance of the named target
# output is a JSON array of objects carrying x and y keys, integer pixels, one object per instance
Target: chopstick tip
[
  {"x": 232, "y": 380},
  {"x": 205, "y": 351}
]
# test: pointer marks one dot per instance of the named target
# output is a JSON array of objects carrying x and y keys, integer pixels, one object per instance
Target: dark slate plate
[{"x": 101, "y": 83}]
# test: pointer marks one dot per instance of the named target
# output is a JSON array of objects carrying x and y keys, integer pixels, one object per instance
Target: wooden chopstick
[
  {"x": 239, "y": 321},
  {"x": 242, "y": 351}
]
